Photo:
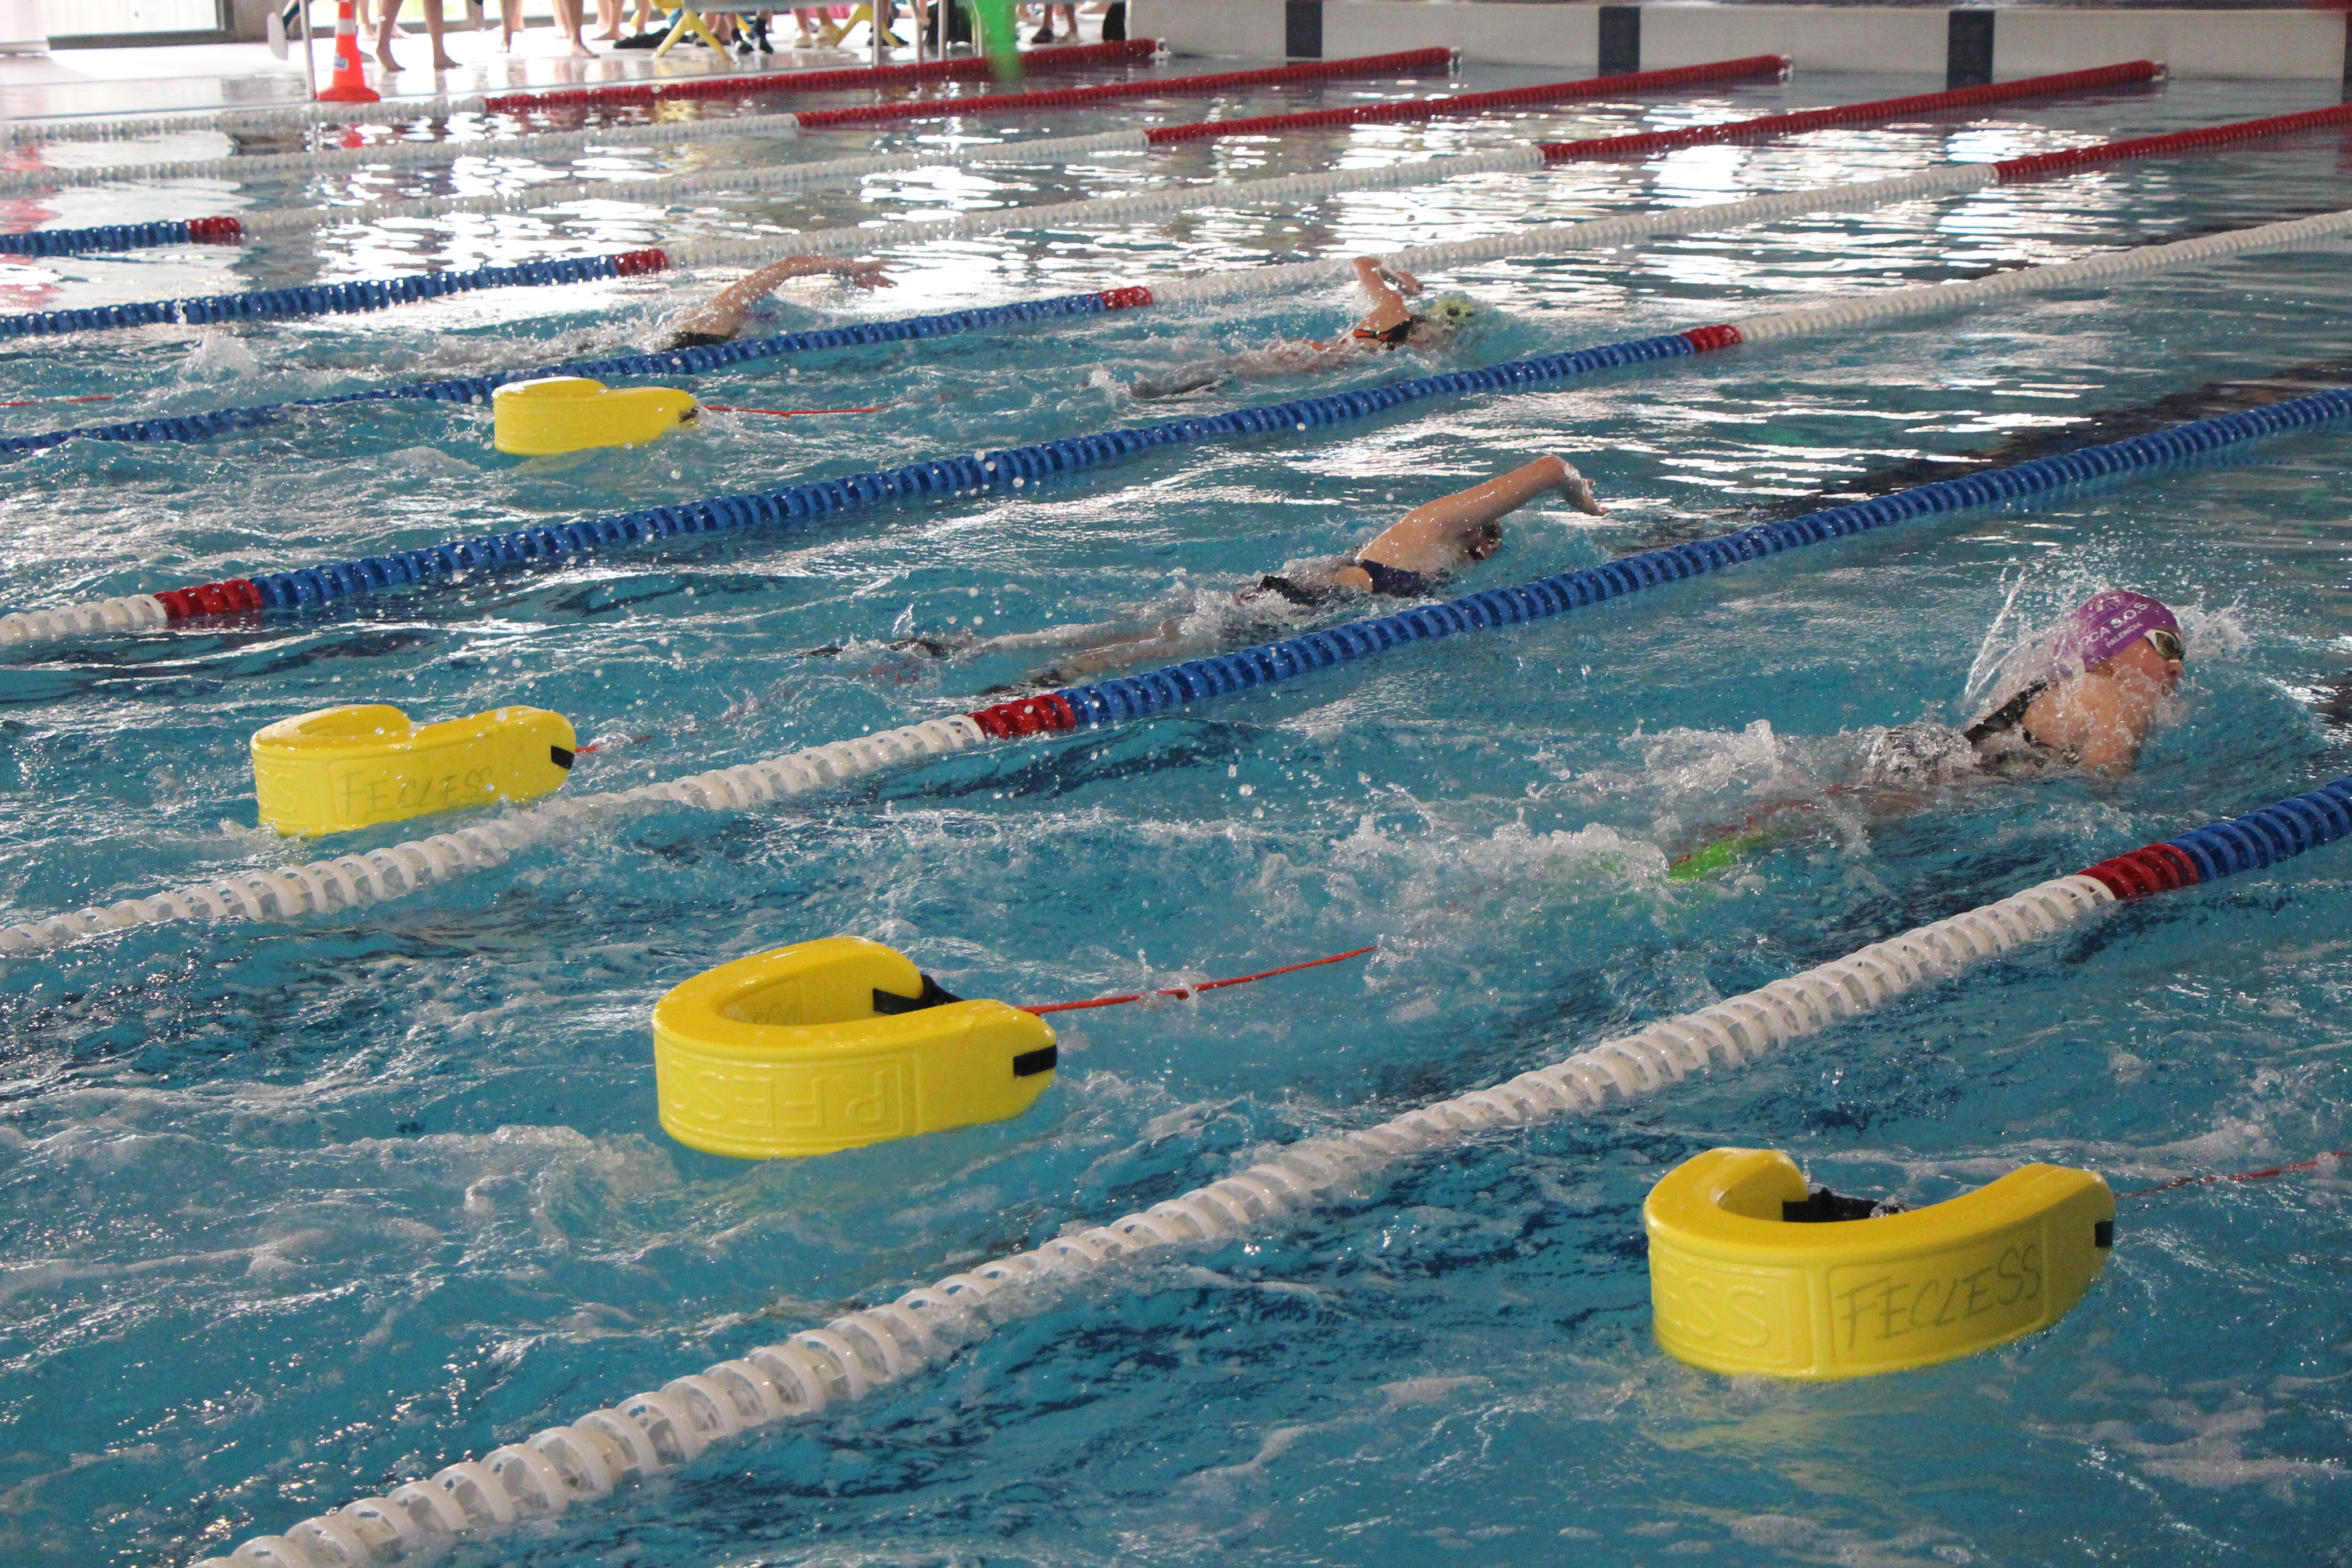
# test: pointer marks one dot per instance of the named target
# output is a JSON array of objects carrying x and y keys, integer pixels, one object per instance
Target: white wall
[
  {"x": 2297, "y": 44},
  {"x": 78, "y": 18},
  {"x": 1519, "y": 34},
  {"x": 1814, "y": 38},
  {"x": 2308, "y": 44}
]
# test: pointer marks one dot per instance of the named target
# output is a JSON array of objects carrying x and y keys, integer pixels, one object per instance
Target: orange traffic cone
[{"x": 349, "y": 84}]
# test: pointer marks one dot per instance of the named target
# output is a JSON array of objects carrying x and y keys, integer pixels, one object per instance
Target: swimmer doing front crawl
[
  {"x": 2079, "y": 700},
  {"x": 1391, "y": 324},
  {"x": 1407, "y": 560},
  {"x": 718, "y": 319}
]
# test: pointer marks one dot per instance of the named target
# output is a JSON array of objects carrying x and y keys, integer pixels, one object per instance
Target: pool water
[{"x": 294, "y": 1214}]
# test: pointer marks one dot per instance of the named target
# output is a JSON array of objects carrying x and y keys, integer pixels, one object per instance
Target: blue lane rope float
[
  {"x": 123, "y": 237},
  {"x": 328, "y": 298},
  {"x": 1200, "y": 680},
  {"x": 797, "y": 506},
  {"x": 679, "y": 362},
  {"x": 2260, "y": 838}
]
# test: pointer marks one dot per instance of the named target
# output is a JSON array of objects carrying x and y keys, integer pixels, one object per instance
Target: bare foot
[
  {"x": 384, "y": 57},
  {"x": 580, "y": 51},
  {"x": 444, "y": 63}
]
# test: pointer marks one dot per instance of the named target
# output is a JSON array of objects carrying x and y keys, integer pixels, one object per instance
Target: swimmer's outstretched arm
[
  {"x": 722, "y": 315},
  {"x": 1105, "y": 644},
  {"x": 1435, "y": 537},
  {"x": 1389, "y": 290}
]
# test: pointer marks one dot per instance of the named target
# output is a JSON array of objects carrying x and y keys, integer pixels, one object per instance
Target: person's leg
[
  {"x": 434, "y": 23},
  {"x": 1069, "y": 23},
  {"x": 387, "y": 10},
  {"x": 510, "y": 22},
  {"x": 608, "y": 19},
  {"x": 568, "y": 22}
]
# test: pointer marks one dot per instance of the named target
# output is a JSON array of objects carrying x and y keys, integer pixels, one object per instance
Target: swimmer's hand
[
  {"x": 1369, "y": 271},
  {"x": 1577, "y": 488},
  {"x": 866, "y": 274}
]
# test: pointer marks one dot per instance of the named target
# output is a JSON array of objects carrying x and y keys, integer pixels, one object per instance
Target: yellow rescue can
[
  {"x": 834, "y": 1043},
  {"x": 555, "y": 413},
  {"x": 1751, "y": 1271},
  {"x": 344, "y": 768}
]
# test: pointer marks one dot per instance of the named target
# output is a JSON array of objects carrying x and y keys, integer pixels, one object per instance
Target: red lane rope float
[
  {"x": 1109, "y": 92},
  {"x": 1075, "y": 58},
  {"x": 1650, "y": 141},
  {"x": 1466, "y": 103},
  {"x": 1185, "y": 991},
  {"x": 37, "y": 402},
  {"x": 2261, "y": 1176},
  {"x": 2074, "y": 158}
]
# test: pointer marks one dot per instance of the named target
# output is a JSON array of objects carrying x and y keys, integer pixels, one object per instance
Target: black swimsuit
[
  {"x": 1387, "y": 581},
  {"x": 696, "y": 341},
  {"x": 1389, "y": 336},
  {"x": 2007, "y": 722}
]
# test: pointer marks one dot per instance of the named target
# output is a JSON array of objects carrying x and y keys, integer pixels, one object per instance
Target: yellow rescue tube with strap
[
  {"x": 553, "y": 414},
  {"x": 1751, "y": 1271},
  {"x": 344, "y": 768},
  {"x": 829, "y": 1045}
]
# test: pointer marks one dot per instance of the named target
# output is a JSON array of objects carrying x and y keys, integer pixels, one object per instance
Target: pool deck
[{"x": 132, "y": 80}]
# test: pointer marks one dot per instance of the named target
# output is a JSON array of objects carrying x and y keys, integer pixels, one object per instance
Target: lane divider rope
[
  {"x": 348, "y": 297},
  {"x": 353, "y": 881},
  {"x": 1053, "y": 149},
  {"x": 409, "y": 154},
  {"x": 732, "y": 85},
  {"x": 543, "y": 547},
  {"x": 1543, "y": 240},
  {"x": 663, "y": 1429}
]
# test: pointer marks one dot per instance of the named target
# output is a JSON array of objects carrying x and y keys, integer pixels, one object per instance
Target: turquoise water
[{"x": 295, "y": 1214}]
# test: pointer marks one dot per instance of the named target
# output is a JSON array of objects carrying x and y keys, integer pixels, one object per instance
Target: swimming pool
[{"x": 298, "y": 1213}]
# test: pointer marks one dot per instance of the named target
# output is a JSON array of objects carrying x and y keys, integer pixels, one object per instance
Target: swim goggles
[{"x": 2166, "y": 642}]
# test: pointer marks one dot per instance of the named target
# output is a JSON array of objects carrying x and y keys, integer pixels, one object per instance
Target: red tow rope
[
  {"x": 785, "y": 413},
  {"x": 1183, "y": 990},
  {"x": 2262, "y": 1176}
]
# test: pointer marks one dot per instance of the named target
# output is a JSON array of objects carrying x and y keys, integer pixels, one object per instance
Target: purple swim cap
[{"x": 2107, "y": 624}]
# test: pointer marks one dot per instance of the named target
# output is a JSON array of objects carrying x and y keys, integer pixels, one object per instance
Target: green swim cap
[{"x": 1454, "y": 310}]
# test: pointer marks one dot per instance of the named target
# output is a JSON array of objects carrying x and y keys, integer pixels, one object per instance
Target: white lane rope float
[{"x": 660, "y": 1430}]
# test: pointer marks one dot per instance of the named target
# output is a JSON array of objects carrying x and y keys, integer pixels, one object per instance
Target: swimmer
[
  {"x": 2097, "y": 689},
  {"x": 1391, "y": 324},
  {"x": 1408, "y": 560},
  {"x": 721, "y": 316},
  {"x": 2084, "y": 703}
]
